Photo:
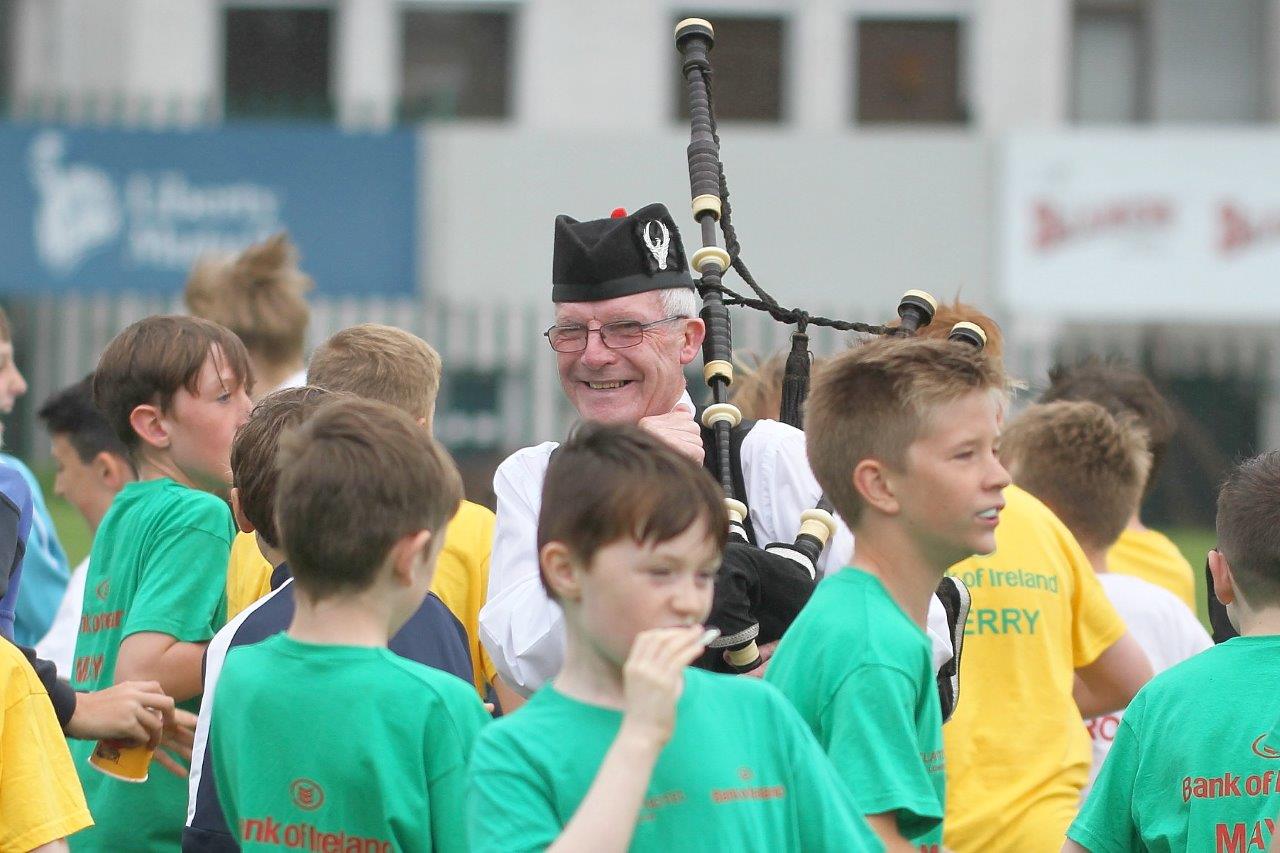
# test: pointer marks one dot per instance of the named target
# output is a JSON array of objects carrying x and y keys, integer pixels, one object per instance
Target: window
[
  {"x": 748, "y": 70},
  {"x": 456, "y": 64},
  {"x": 1110, "y": 63},
  {"x": 1169, "y": 61},
  {"x": 277, "y": 62},
  {"x": 908, "y": 71},
  {"x": 470, "y": 408}
]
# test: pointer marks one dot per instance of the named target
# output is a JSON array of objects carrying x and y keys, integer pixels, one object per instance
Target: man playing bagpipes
[{"x": 626, "y": 326}]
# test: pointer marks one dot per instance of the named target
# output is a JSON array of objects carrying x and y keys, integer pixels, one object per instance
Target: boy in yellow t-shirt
[
  {"x": 248, "y": 574},
  {"x": 1017, "y": 750},
  {"x": 391, "y": 365},
  {"x": 1089, "y": 467},
  {"x": 40, "y": 796},
  {"x": 1140, "y": 551}
]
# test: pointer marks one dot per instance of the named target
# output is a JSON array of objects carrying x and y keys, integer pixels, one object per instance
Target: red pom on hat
[{"x": 618, "y": 213}]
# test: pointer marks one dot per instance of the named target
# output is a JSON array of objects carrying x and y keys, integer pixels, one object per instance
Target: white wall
[
  {"x": 1022, "y": 60},
  {"x": 839, "y": 219}
]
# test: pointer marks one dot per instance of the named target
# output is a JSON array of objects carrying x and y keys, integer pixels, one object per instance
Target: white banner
[{"x": 1130, "y": 225}]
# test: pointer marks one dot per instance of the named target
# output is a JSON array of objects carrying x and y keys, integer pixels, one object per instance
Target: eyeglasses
[{"x": 617, "y": 335}]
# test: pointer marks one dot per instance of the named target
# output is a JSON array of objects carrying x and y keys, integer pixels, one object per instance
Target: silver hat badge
[{"x": 660, "y": 245}]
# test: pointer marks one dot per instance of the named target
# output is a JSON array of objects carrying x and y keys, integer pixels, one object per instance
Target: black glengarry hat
[{"x": 607, "y": 258}]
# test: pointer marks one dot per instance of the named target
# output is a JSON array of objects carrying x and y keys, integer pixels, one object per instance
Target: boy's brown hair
[
  {"x": 259, "y": 294},
  {"x": 757, "y": 390},
  {"x": 379, "y": 363},
  {"x": 874, "y": 400},
  {"x": 1084, "y": 463},
  {"x": 354, "y": 479},
  {"x": 948, "y": 315},
  {"x": 253, "y": 454},
  {"x": 616, "y": 481},
  {"x": 150, "y": 360},
  {"x": 1248, "y": 527},
  {"x": 1119, "y": 388},
  {"x": 6, "y": 334}
]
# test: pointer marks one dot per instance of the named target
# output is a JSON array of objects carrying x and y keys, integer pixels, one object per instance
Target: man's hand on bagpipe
[{"x": 678, "y": 429}]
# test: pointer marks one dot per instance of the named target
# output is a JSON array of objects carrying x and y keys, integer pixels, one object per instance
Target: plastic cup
[{"x": 122, "y": 760}]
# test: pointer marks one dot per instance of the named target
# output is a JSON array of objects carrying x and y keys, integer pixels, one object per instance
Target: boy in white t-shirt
[{"x": 1090, "y": 467}]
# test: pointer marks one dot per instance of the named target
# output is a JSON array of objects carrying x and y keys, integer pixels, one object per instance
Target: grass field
[{"x": 1193, "y": 542}]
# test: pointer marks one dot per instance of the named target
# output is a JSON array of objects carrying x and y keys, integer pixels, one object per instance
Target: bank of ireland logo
[
  {"x": 307, "y": 795},
  {"x": 79, "y": 209},
  {"x": 1261, "y": 749}
]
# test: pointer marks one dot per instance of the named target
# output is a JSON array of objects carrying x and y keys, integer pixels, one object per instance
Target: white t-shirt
[
  {"x": 1164, "y": 627},
  {"x": 59, "y": 644}
]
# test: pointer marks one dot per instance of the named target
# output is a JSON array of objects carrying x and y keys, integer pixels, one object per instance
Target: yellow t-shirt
[
  {"x": 40, "y": 795},
  {"x": 248, "y": 574},
  {"x": 1149, "y": 555},
  {"x": 461, "y": 581},
  {"x": 1017, "y": 753}
]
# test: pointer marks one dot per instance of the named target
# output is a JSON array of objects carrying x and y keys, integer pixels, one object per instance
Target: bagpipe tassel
[{"x": 795, "y": 380}]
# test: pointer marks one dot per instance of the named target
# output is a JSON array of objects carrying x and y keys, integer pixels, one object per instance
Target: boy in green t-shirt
[
  {"x": 1191, "y": 767},
  {"x": 628, "y": 747},
  {"x": 901, "y": 434},
  {"x": 174, "y": 389},
  {"x": 323, "y": 738}
]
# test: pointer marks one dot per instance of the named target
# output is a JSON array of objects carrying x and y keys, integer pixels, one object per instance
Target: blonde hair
[
  {"x": 757, "y": 390},
  {"x": 1084, "y": 463},
  {"x": 874, "y": 400},
  {"x": 379, "y": 362},
  {"x": 258, "y": 294},
  {"x": 948, "y": 315}
]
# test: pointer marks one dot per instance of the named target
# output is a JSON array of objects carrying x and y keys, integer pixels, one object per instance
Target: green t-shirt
[
  {"x": 740, "y": 772},
  {"x": 159, "y": 563},
  {"x": 1190, "y": 768},
  {"x": 861, "y": 674},
  {"x": 320, "y": 747}
]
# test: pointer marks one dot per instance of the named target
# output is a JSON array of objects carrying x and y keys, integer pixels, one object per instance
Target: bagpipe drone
[{"x": 760, "y": 589}]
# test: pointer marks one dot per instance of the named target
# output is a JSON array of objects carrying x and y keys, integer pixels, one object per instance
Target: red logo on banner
[
  {"x": 1240, "y": 232},
  {"x": 1055, "y": 225}
]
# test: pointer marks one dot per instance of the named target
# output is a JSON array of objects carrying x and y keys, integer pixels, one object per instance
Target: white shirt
[
  {"x": 59, "y": 643},
  {"x": 523, "y": 629},
  {"x": 1164, "y": 627}
]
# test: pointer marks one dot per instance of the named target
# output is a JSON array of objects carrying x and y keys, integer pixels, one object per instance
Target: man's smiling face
[{"x": 625, "y": 385}]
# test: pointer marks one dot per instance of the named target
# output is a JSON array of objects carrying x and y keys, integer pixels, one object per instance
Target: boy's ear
[
  {"x": 872, "y": 482},
  {"x": 408, "y": 556},
  {"x": 1224, "y": 584},
  {"x": 112, "y": 471},
  {"x": 242, "y": 520},
  {"x": 148, "y": 422},
  {"x": 560, "y": 570}
]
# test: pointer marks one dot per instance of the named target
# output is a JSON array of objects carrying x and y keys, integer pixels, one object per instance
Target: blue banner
[{"x": 113, "y": 210}]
